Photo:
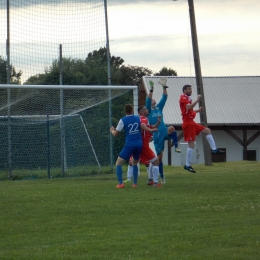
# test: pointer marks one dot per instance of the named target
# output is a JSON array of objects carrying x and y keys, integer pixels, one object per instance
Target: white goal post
[{"x": 71, "y": 113}]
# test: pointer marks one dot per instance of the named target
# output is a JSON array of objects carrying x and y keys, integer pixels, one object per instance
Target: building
[{"x": 233, "y": 115}]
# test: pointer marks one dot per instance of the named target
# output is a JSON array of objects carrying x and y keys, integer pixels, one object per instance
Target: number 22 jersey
[{"x": 131, "y": 126}]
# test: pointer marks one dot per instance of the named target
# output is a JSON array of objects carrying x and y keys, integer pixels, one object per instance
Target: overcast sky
[
  {"x": 148, "y": 33},
  {"x": 154, "y": 34}
]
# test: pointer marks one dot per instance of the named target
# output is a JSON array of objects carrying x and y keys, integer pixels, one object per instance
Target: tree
[
  {"x": 15, "y": 77},
  {"x": 91, "y": 71},
  {"x": 166, "y": 72},
  {"x": 132, "y": 75}
]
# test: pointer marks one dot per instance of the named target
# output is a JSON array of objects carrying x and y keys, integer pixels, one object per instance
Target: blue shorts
[
  {"x": 159, "y": 139},
  {"x": 131, "y": 149}
]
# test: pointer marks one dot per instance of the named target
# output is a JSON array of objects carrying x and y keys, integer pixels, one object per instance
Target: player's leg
[
  {"x": 189, "y": 153},
  {"x": 155, "y": 171},
  {"x": 159, "y": 148},
  {"x": 149, "y": 158},
  {"x": 161, "y": 170},
  {"x": 150, "y": 175},
  {"x": 124, "y": 155},
  {"x": 129, "y": 170},
  {"x": 147, "y": 166},
  {"x": 119, "y": 172},
  {"x": 136, "y": 158},
  {"x": 210, "y": 139},
  {"x": 189, "y": 132},
  {"x": 173, "y": 135},
  {"x": 135, "y": 172}
]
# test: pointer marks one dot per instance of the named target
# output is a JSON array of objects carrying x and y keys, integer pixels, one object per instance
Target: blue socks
[
  {"x": 174, "y": 138},
  {"x": 161, "y": 170},
  {"x": 135, "y": 173},
  {"x": 119, "y": 174}
]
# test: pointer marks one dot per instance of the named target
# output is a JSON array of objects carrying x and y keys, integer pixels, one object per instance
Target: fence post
[{"x": 48, "y": 145}]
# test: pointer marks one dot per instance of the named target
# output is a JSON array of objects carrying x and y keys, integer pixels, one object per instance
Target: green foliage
[
  {"x": 213, "y": 214},
  {"x": 15, "y": 77},
  {"x": 166, "y": 72},
  {"x": 93, "y": 71},
  {"x": 132, "y": 75}
]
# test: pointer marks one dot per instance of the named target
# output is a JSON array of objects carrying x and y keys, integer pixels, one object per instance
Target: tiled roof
[{"x": 229, "y": 100}]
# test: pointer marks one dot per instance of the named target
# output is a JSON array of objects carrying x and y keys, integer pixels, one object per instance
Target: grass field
[{"x": 213, "y": 214}]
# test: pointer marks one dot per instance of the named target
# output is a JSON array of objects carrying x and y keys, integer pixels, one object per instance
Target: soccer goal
[{"x": 56, "y": 131}]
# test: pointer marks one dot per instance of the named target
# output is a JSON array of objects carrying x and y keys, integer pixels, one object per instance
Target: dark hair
[
  {"x": 128, "y": 109},
  {"x": 185, "y": 87},
  {"x": 140, "y": 108}
]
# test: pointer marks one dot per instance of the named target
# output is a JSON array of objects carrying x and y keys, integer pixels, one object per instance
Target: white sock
[
  {"x": 189, "y": 156},
  {"x": 129, "y": 172},
  {"x": 155, "y": 174},
  {"x": 211, "y": 142},
  {"x": 150, "y": 175},
  {"x": 147, "y": 169}
]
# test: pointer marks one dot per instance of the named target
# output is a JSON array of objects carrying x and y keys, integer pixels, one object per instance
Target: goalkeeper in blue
[
  {"x": 164, "y": 132},
  {"x": 131, "y": 124}
]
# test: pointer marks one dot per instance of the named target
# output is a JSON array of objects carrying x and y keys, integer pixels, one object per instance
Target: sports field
[{"x": 213, "y": 214}]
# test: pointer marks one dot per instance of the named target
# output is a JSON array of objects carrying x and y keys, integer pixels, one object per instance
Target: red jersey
[
  {"x": 146, "y": 135},
  {"x": 187, "y": 114}
]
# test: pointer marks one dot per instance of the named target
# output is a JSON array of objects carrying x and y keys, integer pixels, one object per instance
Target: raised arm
[
  {"x": 192, "y": 105},
  {"x": 162, "y": 102},
  {"x": 149, "y": 98}
]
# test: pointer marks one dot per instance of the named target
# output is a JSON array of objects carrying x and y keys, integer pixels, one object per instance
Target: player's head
[
  {"x": 129, "y": 110},
  {"x": 142, "y": 111},
  {"x": 187, "y": 90},
  {"x": 153, "y": 103}
]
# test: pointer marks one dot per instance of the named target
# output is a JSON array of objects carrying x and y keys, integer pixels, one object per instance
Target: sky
[
  {"x": 147, "y": 33},
  {"x": 154, "y": 34}
]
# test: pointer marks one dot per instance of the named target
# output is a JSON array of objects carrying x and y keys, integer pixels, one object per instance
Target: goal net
[
  {"x": 36, "y": 29},
  {"x": 46, "y": 131}
]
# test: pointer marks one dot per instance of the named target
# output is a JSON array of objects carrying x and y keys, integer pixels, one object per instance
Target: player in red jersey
[
  {"x": 147, "y": 156},
  {"x": 190, "y": 127}
]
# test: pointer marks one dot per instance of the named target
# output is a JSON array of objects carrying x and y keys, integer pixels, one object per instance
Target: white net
[
  {"x": 37, "y": 28},
  {"x": 51, "y": 133}
]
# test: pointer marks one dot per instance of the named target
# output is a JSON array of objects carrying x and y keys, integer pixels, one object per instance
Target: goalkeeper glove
[
  {"x": 163, "y": 82},
  {"x": 151, "y": 83}
]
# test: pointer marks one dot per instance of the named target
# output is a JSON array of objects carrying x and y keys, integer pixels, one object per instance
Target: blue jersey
[
  {"x": 162, "y": 134},
  {"x": 154, "y": 113},
  {"x": 133, "y": 144},
  {"x": 131, "y": 125}
]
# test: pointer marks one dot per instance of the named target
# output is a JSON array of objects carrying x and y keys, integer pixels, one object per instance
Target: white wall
[{"x": 222, "y": 140}]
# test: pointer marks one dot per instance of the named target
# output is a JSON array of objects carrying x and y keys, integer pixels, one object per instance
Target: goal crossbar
[{"x": 94, "y": 87}]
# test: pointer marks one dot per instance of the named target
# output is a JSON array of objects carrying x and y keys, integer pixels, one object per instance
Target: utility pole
[{"x": 196, "y": 56}]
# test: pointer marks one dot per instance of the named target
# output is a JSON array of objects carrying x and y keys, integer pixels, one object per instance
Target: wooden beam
[
  {"x": 180, "y": 136},
  {"x": 234, "y": 136},
  {"x": 234, "y": 127},
  {"x": 253, "y": 137},
  {"x": 244, "y": 144},
  {"x": 169, "y": 152}
]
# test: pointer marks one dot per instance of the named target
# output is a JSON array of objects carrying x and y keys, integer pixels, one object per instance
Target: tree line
[{"x": 89, "y": 71}]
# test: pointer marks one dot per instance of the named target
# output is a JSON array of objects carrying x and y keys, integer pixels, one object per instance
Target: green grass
[
  {"x": 213, "y": 214},
  {"x": 76, "y": 171}
]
